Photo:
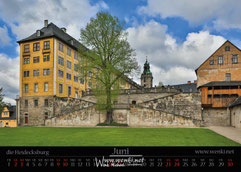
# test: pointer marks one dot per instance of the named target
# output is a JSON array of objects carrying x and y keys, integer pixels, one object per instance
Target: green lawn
[{"x": 58, "y": 136}]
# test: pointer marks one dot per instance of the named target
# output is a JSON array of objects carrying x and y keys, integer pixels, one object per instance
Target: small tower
[{"x": 146, "y": 76}]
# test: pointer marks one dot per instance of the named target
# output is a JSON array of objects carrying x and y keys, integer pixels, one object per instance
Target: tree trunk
[{"x": 109, "y": 118}]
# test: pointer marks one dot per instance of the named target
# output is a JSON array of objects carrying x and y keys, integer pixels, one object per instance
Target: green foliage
[
  {"x": 101, "y": 96},
  {"x": 2, "y": 104},
  {"x": 109, "y": 58}
]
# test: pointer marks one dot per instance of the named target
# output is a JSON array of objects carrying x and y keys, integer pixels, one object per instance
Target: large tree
[{"x": 108, "y": 60}]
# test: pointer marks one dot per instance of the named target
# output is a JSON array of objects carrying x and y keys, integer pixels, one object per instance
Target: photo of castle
[
  {"x": 113, "y": 73},
  {"x": 51, "y": 94},
  {"x": 120, "y": 83}
]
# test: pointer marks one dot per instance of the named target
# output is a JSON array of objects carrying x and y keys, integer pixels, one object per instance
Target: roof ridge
[
  {"x": 61, "y": 30},
  {"x": 215, "y": 52},
  {"x": 52, "y": 30}
]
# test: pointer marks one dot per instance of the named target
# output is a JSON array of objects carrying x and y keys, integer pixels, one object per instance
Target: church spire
[
  {"x": 147, "y": 70},
  {"x": 146, "y": 76}
]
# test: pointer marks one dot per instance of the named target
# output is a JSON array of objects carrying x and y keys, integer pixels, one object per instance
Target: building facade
[
  {"x": 223, "y": 65},
  {"x": 52, "y": 93},
  {"x": 48, "y": 60},
  {"x": 48, "y": 64},
  {"x": 48, "y": 69},
  {"x": 219, "y": 81}
]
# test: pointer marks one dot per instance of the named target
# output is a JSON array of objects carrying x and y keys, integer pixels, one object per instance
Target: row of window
[
  {"x": 36, "y": 103},
  {"x": 46, "y": 45},
  {"x": 223, "y": 96},
  {"x": 36, "y": 46},
  {"x": 68, "y": 63},
  {"x": 76, "y": 79},
  {"x": 46, "y": 72},
  {"x": 69, "y": 51},
  {"x": 36, "y": 87},
  {"x": 61, "y": 89},
  {"x": 36, "y": 72},
  {"x": 46, "y": 88},
  {"x": 26, "y": 116},
  {"x": 26, "y": 60},
  {"x": 220, "y": 60},
  {"x": 68, "y": 75},
  {"x": 46, "y": 58},
  {"x": 5, "y": 113},
  {"x": 224, "y": 87}
]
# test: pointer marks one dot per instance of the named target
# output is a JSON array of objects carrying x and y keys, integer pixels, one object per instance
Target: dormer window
[
  {"x": 72, "y": 42},
  {"x": 38, "y": 32}
]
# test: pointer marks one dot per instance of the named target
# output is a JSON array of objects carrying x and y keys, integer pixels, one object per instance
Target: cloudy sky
[{"x": 175, "y": 35}]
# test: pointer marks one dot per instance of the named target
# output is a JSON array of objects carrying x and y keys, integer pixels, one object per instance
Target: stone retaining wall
[{"x": 180, "y": 110}]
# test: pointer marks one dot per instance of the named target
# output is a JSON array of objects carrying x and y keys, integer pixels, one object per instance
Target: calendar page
[{"x": 120, "y": 157}]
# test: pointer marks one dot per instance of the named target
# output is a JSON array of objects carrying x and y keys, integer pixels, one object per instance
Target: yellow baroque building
[
  {"x": 48, "y": 70},
  {"x": 47, "y": 64}
]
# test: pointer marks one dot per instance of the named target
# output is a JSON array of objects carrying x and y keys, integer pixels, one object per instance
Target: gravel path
[{"x": 229, "y": 132}]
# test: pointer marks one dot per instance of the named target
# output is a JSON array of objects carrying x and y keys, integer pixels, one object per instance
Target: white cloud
[
  {"x": 25, "y": 17},
  {"x": 70, "y": 14},
  {"x": 9, "y": 77},
  {"x": 224, "y": 13},
  {"x": 4, "y": 38},
  {"x": 171, "y": 63},
  {"x": 9, "y": 100},
  {"x": 174, "y": 75},
  {"x": 103, "y": 5}
]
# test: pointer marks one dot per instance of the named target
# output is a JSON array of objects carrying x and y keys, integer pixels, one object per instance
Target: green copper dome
[{"x": 146, "y": 69}]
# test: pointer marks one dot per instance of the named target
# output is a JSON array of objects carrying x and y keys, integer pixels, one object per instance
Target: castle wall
[
  {"x": 216, "y": 117},
  {"x": 180, "y": 110},
  {"x": 87, "y": 117},
  {"x": 56, "y": 106},
  {"x": 134, "y": 117},
  {"x": 184, "y": 104},
  {"x": 160, "y": 110},
  {"x": 30, "y": 114},
  {"x": 235, "y": 112},
  {"x": 144, "y": 117},
  {"x": 138, "y": 95}
]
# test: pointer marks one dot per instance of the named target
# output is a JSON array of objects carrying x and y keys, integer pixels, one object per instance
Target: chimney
[
  {"x": 63, "y": 29},
  {"x": 46, "y": 23},
  {"x": 188, "y": 82}
]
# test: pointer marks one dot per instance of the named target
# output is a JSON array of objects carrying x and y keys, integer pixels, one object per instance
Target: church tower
[{"x": 146, "y": 76}]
